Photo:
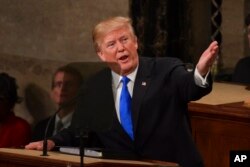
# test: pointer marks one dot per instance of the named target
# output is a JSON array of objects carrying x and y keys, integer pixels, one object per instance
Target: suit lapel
[{"x": 142, "y": 82}]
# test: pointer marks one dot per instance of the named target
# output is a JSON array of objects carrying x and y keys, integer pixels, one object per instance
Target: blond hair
[{"x": 108, "y": 25}]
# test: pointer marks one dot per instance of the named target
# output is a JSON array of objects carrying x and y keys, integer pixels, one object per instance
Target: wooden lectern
[
  {"x": 221, "y": 123},
  {"x": 10, "y": 157}
]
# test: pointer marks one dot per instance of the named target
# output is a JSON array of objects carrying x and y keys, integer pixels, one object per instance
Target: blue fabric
[{"x": 125, "y": 108}]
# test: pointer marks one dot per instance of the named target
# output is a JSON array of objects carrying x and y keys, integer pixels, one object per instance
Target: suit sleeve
[
  {"x": 186, "y": 87},
  {"x": 66, "y": 137}
]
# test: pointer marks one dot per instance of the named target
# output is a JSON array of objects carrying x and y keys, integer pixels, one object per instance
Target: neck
[{"x": 65, "y": 111}]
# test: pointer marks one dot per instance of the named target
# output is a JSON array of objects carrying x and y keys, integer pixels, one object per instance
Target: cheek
[
  {"x": 109, "y": 55},
  {"x": 55, "y": 95}
]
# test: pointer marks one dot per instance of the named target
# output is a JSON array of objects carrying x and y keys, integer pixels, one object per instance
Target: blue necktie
[{"x": 125, "y": 108}]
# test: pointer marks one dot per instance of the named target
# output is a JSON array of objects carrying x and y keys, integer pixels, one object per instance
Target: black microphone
[{"x": 62, "y": 106}]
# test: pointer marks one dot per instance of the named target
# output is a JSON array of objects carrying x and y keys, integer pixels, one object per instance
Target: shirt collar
[
  {"x": 117, "y": 78},
  {"x": 66, "y": 120}
]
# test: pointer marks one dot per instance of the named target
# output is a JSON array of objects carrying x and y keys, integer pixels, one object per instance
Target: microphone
[{"x": 62, "y": 106}]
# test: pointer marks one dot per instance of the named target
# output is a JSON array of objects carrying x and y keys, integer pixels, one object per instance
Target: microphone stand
[
  {"x": 45, "y": 142},
  {"x": 82, "y": 146},
  {"x": 62, "y": 106},
  {"x": 83, "y": 135}
]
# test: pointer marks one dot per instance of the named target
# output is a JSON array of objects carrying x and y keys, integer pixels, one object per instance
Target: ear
[
  {"x": 101, "y": 56},
  {"x": 136, "y": 42}
]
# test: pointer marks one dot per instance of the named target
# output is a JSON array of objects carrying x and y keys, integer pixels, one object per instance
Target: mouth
[
  {"x": 123, "y": 58},
  {"x": 63, "y": 96}
]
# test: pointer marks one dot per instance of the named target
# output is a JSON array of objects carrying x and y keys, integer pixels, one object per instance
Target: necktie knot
[{"x": 125, "y": 80}]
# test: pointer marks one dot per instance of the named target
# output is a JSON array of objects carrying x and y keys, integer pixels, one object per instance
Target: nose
[
  {"x": 120, "y": 46},
  {"x": 64, "y": 87}
]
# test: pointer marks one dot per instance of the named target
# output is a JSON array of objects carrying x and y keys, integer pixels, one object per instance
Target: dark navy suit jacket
[{"x": 160, "y": 118}]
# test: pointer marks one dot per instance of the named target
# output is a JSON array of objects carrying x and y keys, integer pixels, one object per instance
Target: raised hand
[{"x": 207, "y": 58}]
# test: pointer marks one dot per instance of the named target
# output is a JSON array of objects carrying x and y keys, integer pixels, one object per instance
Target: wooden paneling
[{"x": 217, "y": 129}]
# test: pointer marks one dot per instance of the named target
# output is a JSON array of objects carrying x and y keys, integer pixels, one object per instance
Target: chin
[{"x": 126, "y": 70}]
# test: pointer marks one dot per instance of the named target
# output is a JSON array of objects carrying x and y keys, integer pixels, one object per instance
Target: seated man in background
[
  {"x": 138, "y": 106},
  {"x": 66, "y": 82},
  {"x": 14, "y": 131},
  {"x": 242, "y": 68}
]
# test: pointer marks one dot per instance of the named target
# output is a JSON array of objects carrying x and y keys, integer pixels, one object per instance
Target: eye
[
  {"x": 110, "y": 44},
  {"x": 124, "y": 39},
  {"x": 58, "y": 84}
]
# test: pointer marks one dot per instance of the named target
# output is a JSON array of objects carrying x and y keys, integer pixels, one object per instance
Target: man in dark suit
[
  {"x": 160, "y": 88},
  {"x": 242, "y": 68},
  {"x": 66, "y": 82}
]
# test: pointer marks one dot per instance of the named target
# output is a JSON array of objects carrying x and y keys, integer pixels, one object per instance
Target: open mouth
[{"x": 124, "y": 57}]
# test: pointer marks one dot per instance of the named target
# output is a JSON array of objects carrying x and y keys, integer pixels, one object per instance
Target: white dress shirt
[{"x": 66, "y": 120}]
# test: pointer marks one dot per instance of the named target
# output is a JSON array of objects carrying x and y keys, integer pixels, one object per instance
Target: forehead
[
  {"x": 64, "y": 76},
  {"x": 118, "y": 33}
]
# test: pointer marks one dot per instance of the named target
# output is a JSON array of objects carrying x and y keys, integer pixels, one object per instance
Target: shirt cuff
[{"x": 199, "y": 80}]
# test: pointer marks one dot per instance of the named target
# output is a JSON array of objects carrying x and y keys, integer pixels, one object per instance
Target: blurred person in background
[
  {"x": 14, "y": 131},
  {"x": 242, "y": 68},
  {"x": 66, "y": 82}
]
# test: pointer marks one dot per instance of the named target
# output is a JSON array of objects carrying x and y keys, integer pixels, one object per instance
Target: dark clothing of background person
[
  {"x": 242, "y": 68},
  {"x": 241, "y": 71},
  {"x": 39, "y": 130}
]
